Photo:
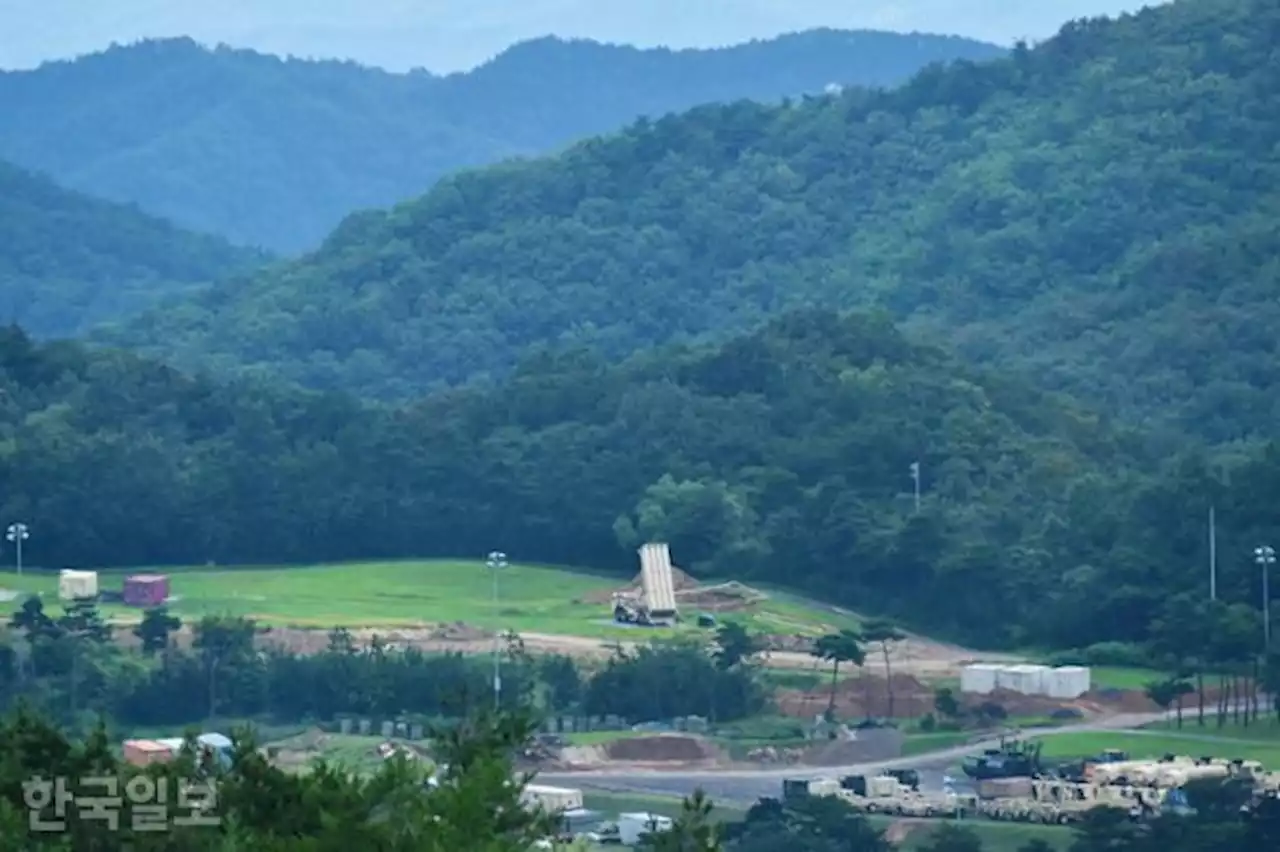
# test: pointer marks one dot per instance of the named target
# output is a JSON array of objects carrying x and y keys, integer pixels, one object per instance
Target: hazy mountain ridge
[
  {"x": 276, "y": 152},
  {"x": 1099, "y": 208},
  {"x": 68, "y": 261},
  {"x": 448, "y": 36}
]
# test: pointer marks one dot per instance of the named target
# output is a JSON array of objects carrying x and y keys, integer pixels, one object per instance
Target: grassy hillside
[
  {"x": 1101, "y": 208},
  {"x": 405, "y": 594},
  {"x": 276, "y": 153},
  {"x": 782, "y": 457},
  {"x": 68, "y": 261}
]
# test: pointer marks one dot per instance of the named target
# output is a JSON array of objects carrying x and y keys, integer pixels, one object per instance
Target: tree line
[
  {"x": 70, "y": 667},
  {"x": 780, "y": 456}
]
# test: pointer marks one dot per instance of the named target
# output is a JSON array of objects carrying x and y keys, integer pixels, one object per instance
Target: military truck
[
  {"x": 887, "y": 794},
  {"x": 1013, "y": 759}
]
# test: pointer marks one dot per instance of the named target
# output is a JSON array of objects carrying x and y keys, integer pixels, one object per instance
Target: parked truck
[{"x": 887, "y": 794}]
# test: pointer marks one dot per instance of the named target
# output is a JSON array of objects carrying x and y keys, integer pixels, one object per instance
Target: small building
[
  {"x": 146, "y": 590},
  {"x": 554, "y": 800},
  {"x": 77, "y": 585},
  {"x": 146, "y": 752}
]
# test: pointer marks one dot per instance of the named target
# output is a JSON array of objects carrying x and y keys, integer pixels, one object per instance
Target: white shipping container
[
  {"x": 631, "y": 827},
  {"x": 979, "y": 678},
  {"x": 1024, "y": 679},
  {"x": 1007, "y": 677},
  {"x": 1069, "y": 682},
  {"x": 75, "y": 585}
]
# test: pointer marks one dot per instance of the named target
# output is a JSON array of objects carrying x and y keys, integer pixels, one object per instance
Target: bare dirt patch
[
  {"x": 661, "y": 748},
  {"x": 298, "y": 751},
  {"x": 722, "y": 597},
  {"x": 915, "y": 656},
  {"x": 863, "y": 696}
]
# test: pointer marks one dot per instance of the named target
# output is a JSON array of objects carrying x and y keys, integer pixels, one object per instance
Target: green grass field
[
  {"x": 1116, "y": 677},
  {"x": 1258, "y": 742},
  {"x": 537, "y": 599}
]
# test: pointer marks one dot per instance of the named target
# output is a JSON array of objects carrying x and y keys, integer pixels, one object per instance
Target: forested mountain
[
  {"x": 275, "y": 153},
  {"x": 1102, "y": 208},
  {"x": 780, "y": 456},
  {"x": 68, "y": 261}
]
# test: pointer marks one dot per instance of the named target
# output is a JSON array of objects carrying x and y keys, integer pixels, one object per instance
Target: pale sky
[{"x": 451, "y": 35}]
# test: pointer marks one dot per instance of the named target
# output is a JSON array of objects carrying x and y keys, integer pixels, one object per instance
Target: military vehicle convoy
[
  {"x": 1013, "y": 759},
  {"x": 1143, "y": 788}
]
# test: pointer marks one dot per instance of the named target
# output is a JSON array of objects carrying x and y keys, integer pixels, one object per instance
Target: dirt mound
[
  {"x": 870, "y": 745},
  {"x": 725, "y": 597},
  {"x": 862, "y": 696},
  {"x": 1017, "y": 704},
  {"x": 582, "y": 757},
  {"x": 661, "y": 748}
]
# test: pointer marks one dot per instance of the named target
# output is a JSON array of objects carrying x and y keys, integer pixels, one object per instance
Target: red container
[
  {"x": 146, "y": 590},
  {"x": 146, "y": 752}
]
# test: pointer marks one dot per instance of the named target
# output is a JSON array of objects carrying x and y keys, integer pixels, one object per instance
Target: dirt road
[
  {"x": 745, "y": 786},
  {"x": 915, "y": 655}
]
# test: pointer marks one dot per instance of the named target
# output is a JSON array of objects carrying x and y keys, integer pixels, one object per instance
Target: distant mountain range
[
  {"x": 275, "y": 153},
  {"x": 445, "y": 35},
  {"x": 1101, "y": 209}
]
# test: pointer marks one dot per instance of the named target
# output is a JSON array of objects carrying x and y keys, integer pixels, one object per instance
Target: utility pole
[
  {"x": 17, "y": 533},
  {"x": 496, "y": 561},
  {"x": 915, "y": 478},
  {"x": 1265, "y": 556},
  {"x": 1213, "y": 556}
]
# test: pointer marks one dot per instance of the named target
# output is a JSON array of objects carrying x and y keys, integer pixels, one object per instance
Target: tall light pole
[
  {"x": 18, "y": 533},
  {"x": 915, "y": 477},
  {"x": 1265, "y": 556},
  {"x": 496, "y": 561}
]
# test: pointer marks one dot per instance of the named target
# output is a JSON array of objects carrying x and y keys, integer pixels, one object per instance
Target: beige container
[
  {"x": 551, "y": 799},
  {"x": 1004, "y": 788}
]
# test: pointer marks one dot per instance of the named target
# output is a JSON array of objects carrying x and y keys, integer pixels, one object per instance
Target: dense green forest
[
  {"x": 68, "y": 261},
  {"x": 1101, "y": 208},
  {"x": 69, "y": 667},
  {"x": 781, "y": 455},
  {"x": 275, "y": 153}
]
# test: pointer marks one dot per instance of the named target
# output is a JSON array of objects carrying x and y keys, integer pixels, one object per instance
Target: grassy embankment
[
  {"x": 532, "y": 599},
  {"x": 1258, "y": 741}
]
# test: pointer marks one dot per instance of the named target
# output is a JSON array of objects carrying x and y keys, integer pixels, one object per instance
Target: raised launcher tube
[{"x": 657, "y": 584}]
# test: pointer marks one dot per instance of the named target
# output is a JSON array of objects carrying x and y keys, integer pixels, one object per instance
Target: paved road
[{"x": 746, "y": 786}]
